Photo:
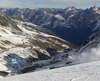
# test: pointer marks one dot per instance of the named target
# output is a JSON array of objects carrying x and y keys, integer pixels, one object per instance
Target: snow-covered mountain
[
  {"x": 31, "y": 42},
  {"x": 28, "y": 41},
  {"x": 92, "y": 42},
  {"x": 88, "y": 71},
  {"x": 89, "y": 50},
  {"x": 53, "y": 19},
  {"x": 72, "y": 24}
]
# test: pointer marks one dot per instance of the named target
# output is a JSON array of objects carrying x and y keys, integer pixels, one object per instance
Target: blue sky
[{"x": 48, "y": 3}]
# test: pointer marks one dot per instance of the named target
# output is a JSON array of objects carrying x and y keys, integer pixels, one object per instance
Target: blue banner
[{"x": 14, "y": 61}]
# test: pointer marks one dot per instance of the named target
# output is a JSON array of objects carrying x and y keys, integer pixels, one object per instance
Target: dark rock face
[{"x": 93, "y": 41}]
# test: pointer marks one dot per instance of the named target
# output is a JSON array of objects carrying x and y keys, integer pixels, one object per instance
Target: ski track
[{"x": 84, "y": 78}]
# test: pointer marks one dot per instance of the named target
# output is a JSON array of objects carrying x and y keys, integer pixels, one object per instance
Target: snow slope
[
  {"x": 89, "y": 50},
  {"x": 81, "y": 72},
  {"x": 28, "y": 41}
]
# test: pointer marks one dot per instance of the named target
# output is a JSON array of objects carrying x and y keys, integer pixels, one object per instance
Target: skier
[{"x": 67, "y": 59}]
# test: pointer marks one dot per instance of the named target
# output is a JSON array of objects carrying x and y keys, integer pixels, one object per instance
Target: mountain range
[
  {"x": 28, "y": 41},
  {"x": 72, "y": 24},
  {"x": 34, "y": 34},
  {"x": 92, "y": 42}
]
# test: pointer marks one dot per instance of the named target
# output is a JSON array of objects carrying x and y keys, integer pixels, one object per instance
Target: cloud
[
  {"x": 14, "y": 4},
  {"x": 46, "y": 3},
  {"x": 73, "y": 1}
]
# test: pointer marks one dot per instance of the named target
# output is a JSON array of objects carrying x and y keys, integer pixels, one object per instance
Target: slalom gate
[{"x": 14, "y": 61}]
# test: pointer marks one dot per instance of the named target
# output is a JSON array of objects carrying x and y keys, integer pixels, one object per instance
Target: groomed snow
[{"x": 81, "y": 72}]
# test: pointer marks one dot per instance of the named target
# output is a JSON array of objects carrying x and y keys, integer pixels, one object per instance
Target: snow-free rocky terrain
[{"x": 28, "y": 41}]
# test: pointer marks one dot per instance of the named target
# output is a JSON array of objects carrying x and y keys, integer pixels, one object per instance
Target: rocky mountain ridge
[
  {"x": 72, "y": 24},
  {"x": 92, "y": 42}
]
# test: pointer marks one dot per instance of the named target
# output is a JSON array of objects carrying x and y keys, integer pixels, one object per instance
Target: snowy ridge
[
  {"x": 97, "y": 27},
  {"x": 89, "y": 50},
  {"x": 96, "y": 9},
  {"x": 59, "y": 17},
  {"x": 91, "y": 42}
]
